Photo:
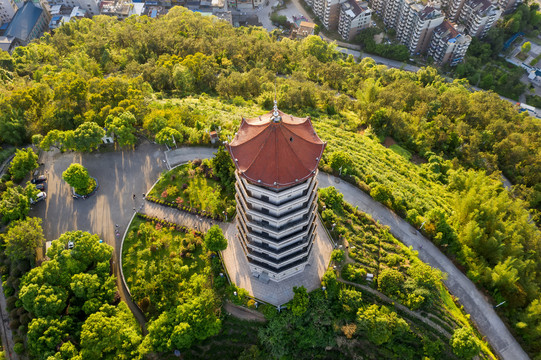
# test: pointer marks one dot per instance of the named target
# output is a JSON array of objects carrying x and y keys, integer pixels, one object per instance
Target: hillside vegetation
[{"x": 181, "y": 75}]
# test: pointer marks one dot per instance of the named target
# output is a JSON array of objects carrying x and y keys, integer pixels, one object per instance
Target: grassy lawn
[
  {"x": 194, "y": 186},
  {"x": 401, "y": 151},
  {"x": 158, "y": 263}
]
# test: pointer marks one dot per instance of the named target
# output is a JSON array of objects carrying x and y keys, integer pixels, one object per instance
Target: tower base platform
[{"x": 264, "y": 288}]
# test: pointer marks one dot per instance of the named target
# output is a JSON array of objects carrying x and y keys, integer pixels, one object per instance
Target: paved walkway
[
  {"x": 474, "y": 302},
  {"x": 243, "y": 313}
]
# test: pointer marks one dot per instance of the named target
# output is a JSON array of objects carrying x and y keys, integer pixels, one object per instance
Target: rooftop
[
  {"x": 276, "y": 150},
  {"x": 24, "y": 21}
]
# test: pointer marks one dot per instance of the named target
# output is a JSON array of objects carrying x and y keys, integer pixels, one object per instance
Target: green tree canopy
[
  {"x": 464, "y": 344},
  {"x": 77, "y": 177},
  {"x": 169, "y": 136},
  {"x": 380, "y": 324},
  {"x": 14, "y": 204},
  {"x": 24, "y": 161},
  {"x": 299, "y": 304},
  {"x": 122, "y": 127},
  {"x": 23, "y": 238},
  {"x": 215, "y": 239}
]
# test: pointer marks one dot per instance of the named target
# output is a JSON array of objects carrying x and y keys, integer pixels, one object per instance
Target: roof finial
[{"x": 275, "y": 114}]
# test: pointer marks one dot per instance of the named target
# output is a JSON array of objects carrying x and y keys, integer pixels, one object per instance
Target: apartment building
[
  {"x": 478, "y": 16},
  {"x": 354, "y": 16},
  {"x": 416, "y": 24},
  {"x": 508, "y": 6},
  {"x": 389, "y": 10},
  {"x": 328, "y": 11},
  {"x": 448, "y": 45},
  {"x": 8, "y": 8}
]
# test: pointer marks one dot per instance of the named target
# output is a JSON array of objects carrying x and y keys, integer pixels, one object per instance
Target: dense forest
[{"x": 181, "y": 75}]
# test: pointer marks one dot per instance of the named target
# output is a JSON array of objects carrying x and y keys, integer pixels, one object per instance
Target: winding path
[{"x": 113, "y": 204}]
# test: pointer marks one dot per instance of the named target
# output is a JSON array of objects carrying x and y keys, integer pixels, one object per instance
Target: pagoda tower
[{"x": 276, "y": 158}]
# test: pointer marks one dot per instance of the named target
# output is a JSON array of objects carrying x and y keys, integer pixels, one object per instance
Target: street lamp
[
  {"x": 333, "y": 225},
  {"x": 225, "y": 215}
]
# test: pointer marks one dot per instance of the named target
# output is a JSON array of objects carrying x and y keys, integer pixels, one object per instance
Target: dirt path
[{"x": 243, "y": 313}]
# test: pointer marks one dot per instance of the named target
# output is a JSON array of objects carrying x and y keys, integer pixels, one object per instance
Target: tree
[
  {"x": 464, "y": 344},
  {"x": 390, "y": 282},
  {"x": 110, "y": 333},
  {"x": 299, "y": 304},
  {"x": 77, "y": 177},
  {"x": 45, "y": 334},
  {"x": 14, "y": 204},
  {"x": 341, "y": 161},
  {"x": 526, "y": 47},
  {"x": 23, "y": 238},
  {"x": 122, "y": 128},
  {"x": 380, "y": 324},
  {"x": 24, "y": 161},
  {"x": 169, "y": 136},
  {"x": 87, "y": 137},
  {"x": 215, "y": 239},
  {"x": 338, "y": 255},
  {"x": 223, "y": 168}
]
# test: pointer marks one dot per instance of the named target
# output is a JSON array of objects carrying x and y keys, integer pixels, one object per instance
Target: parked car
[
  {"x": 41, "y": 196},
  {"x": 40, "y": 187},
  {"x": 40, "y": 179}
]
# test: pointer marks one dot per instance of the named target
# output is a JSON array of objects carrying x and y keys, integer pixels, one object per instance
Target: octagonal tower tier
[{"x": 276, "y": 157}]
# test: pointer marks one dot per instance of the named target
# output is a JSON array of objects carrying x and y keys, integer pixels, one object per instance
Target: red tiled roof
[{"x": 276, "y": 154}]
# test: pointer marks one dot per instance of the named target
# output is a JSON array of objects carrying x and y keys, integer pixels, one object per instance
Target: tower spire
[{"x": 275, "y": 114}]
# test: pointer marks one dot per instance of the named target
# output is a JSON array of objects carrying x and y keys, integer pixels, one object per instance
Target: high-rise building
[
  {"x": 354, "y": 16},
  {"x": 416, "y": 24},
  {"x": 453, "y": 8},
  {"x": 328, "y": 11},
  {"x": 508, "y": 6},
  {"x": 478, "y": 16},
  {"x": 8, "y": 8},
  {"x": 388, "y": 10},
  {"x": 448, "y": 45},
  {"x": 276, "y": 158}
]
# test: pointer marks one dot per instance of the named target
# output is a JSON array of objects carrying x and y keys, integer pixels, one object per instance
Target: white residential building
[
  {"x": 8, "y": 8},
  {"x": 354, "y": 16},
  {"x": 416, "y": 24},
  {"x": 448, "y": 45},
  {"x": 478, "y": 16},
  {"x": 328, "y": 11}
]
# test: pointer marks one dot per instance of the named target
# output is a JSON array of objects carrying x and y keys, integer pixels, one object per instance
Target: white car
[{"x": 41, "y": 196}]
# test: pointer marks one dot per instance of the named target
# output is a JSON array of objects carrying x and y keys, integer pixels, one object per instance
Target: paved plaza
[{"x": 276, "y": 293}]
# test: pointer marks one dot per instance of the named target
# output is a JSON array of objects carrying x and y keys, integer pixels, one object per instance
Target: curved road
[{"x": 114, "y": 204}]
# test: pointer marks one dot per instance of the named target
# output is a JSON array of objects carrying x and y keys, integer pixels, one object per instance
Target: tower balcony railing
[
  {"x": 273, "y": 210},
  {"x": 288, "y": 250},
  {"x": 277, "y": 270},
  {"x": 277, "y": 198},
  {"x": 259, "y": 217},
  {"x": 282, "y": 232},
  {"x": 282, "y": 261},
  {"x": 254, "y": 237}
]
